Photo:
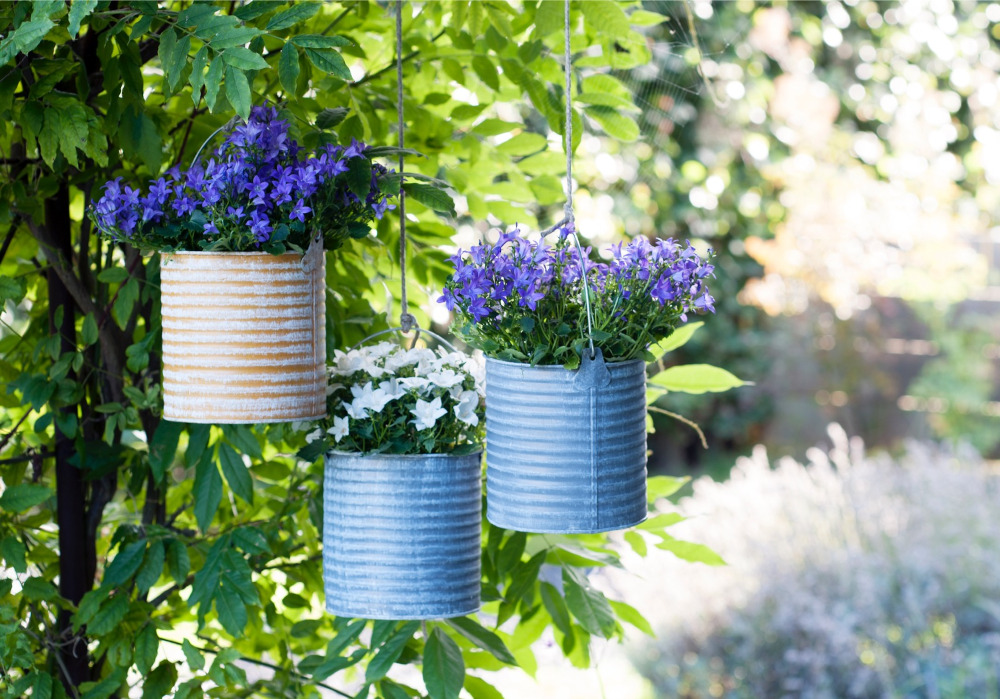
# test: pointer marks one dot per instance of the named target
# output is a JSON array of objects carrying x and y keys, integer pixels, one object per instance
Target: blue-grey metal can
[
  {"x": 402, "y": 535},
  {"x": 566, "y": 450}
]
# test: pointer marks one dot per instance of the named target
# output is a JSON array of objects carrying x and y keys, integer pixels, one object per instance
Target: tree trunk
[{"x": 75, "y": 575}]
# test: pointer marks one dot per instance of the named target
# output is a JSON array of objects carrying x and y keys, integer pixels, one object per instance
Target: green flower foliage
[{"x": 203, "y": 542}]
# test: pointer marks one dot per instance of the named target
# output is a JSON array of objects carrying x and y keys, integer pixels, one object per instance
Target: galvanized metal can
[
  {"x": 566, "y": 450},
  {"x": 244, "y": 336},
  {"x": 402, "y": 535}
]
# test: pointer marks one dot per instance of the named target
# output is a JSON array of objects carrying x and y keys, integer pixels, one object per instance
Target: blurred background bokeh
[{"x": 843, "y": 160}]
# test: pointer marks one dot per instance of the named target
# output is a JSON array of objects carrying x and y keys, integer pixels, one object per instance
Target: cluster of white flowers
[
  {"x": 438, "y": 391},
  {"x": 852, "y": 575}
]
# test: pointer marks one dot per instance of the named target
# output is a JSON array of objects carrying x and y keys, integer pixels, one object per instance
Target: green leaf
[
  {"x": 663, "y": 486},
  {"x": 109, "y": 616},
  {"x": 359, "y": 176},
  {"x": 207, "y": 491},
  {"x": 630, "y": 614},
  {"x": 197, "y": 78},
  {"x": 688, "y": 551},
  {"x": 106, "y": 687},
  {"x": 320, "y": 41},
  {"x": 89, "y": 332},
  {"x": 589, "y": 606},
  {"x": 236, "y": 472},
  {"x": 14, "y": 553},
  {"x": 244, "y": 59},
  {"x": 159, "y": 683},
  {"x": 331, "y": 62},
  {"x": 678, "y": 338},
  {"x": 556, "y": 607},
  {"x": 125, "y": 564},
  {"x": 645, "y": 18},
  {"x": 41, "y": 685},
  {"x": 482, "y": 637},
  {"x": 178, "y": 561},
  {"x": 78, "y": 11},
  {"x": 213, "y": 81},
  {"x": 128, "y": 293},
  {"x": 696, "y": 379},
  {"x": 152, "y": 567},
  {"x": 173, "y": 53},
  {"x": 432, "y": 197},
  {"x": 299, "y": 12},
  {"x": 147, "y": 644},
  {"x": 478, "y": 688},
  {"x": 288, "y": 68},
  {"x": 197, "y": 442},
  {"x": 486, "y": 71},
  {"x": 18, "y": 498},
  {"x": 242, "y": 438},
  {"x": 390, "y": 651},
  {"x": 329, "y": 118},
  {"x": 163, "y": 447},
  {"x": 523, "y": 144},
  {"x": 614, "y": 123},
  {"x": 606, "y": 17},
  {"x": 12, "y": 289},
  {"x": 238, "y": 91},
  {"x": 25, "y": 38},
  {"x": 195, "y": 660},
  {"x": 112, "y": 275},
  {"x": 444, "y": 669},
  {"x": 232, "y": 612}
]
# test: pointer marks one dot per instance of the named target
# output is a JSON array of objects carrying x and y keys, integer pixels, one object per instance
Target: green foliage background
[{"x": 184, "y": 554}]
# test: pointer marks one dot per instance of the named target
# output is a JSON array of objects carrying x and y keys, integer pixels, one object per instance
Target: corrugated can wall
[{"x": 244, "y": 336}]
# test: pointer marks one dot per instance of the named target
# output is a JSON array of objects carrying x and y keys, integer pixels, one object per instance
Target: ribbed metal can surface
[
  {"x": 402, "y": 535},
  {"x": 244, "y": 336},
  {"x": 563, "y": 458}
]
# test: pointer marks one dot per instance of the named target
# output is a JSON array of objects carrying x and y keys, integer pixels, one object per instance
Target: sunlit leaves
[{"x": 444, "y": 669}]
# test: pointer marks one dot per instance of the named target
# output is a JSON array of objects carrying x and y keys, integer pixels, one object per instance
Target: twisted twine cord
[
  {"x": 406, "y": 320},
  {"x": 570, "y": 219}
]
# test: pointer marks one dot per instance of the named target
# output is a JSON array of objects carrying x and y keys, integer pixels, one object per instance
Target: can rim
[
  {"x": 559, "y": 367},
  {"x": 383, "y": 455}
]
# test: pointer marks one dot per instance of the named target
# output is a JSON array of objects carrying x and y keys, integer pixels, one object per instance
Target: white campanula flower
[
  {"x": 339, "y": 429},
  {"x": 392, "y": 388},
  {"x": 358, "y": 412},
  {"x": 314, "y": 435},
  {"x": 382, "y": 349},
  {"x": 416, "y": 382},
  {"x": 427, "y": 413},
  {"x": 445, "y": 378},
  {"x": 379, "y": 399},
  {"x": 465, "y": 411},
  {"x": 349, "y": 362}
]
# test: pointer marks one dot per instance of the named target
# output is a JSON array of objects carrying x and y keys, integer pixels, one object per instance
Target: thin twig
[
  {"x": 27, "y": 457},
  {"x": 10, "y": 236},
  {"x": 382, "y": 71},
  {"x": 689, "y": 423},
  {"x": 13, "y": 431},
  {"x": 262, "y": 663}
]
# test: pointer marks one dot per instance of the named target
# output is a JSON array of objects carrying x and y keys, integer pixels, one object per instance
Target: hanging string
[
  {"x": 570, "y": 219},
  {"x": 406, "y": 320}
]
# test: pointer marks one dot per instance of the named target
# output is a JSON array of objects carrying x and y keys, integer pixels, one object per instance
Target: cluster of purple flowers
[
  {"x": 256, "y": 189},
  {"x": 639, "y": 294}
]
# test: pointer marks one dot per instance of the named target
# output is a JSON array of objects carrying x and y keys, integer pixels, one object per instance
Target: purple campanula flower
[
  {"x": 448, "y": 298},
  {"x": 299, "y": 211},
  {"x": 260, "y": 226},
  {"x": 355, "y": 149},
  {"x": 477, "y": 309},
  {"x": 210, "y": 229}
]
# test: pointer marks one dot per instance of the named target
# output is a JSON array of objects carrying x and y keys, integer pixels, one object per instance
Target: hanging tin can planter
[
  {"x": 566, "y": 450},
  {"x": 402, "y": 494},
  {"x": 402, "y": 535},
  {"x": 244, "y": 336}
]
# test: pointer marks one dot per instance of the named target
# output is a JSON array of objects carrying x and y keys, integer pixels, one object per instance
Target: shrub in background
[{"x": 852, "y": 576}]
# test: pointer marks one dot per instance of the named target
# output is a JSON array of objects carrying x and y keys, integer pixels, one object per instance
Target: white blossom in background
[{"x": 849, "y": 576}]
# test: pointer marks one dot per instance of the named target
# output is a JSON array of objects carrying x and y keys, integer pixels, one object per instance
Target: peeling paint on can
[{"x": 244, "y": 336}]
